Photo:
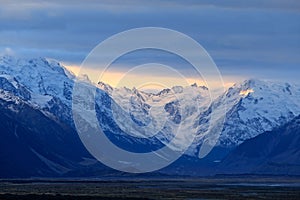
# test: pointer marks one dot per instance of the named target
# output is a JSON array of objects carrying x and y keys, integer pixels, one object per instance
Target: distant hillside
[{"x": 273, "y": 152}]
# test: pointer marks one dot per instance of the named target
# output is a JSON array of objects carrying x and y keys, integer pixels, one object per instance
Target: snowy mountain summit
[{"x": 255, "y": 106}]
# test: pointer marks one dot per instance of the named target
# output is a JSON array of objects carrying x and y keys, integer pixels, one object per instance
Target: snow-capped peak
[
  {"x": 257, "y": 106},
  {"x": 105, "y": 87},
  {"x": 43, "y": 77}
]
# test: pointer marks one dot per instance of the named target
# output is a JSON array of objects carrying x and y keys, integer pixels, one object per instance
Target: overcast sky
[{"x": 257, "y": 38}]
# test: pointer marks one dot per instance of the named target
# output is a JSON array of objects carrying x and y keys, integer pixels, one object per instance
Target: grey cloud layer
[
  {"x": 121, "y": 4},
  {"x": 240, "y": 35}
]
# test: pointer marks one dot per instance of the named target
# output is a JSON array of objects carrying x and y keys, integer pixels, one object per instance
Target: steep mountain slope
[
  {"x": 273, "y": 152},
  {"x": 254, "y": 107},
  {"x": 34, "y": 144},
  {"x": 49, "y": 84}
]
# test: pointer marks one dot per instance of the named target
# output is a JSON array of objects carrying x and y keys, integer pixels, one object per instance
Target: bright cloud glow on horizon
[{"x": 114, "y": 79}]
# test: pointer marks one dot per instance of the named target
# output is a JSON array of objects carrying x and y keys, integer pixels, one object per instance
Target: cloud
[
  {"x": 245, "y": 4},
  {"x": 138, "y": 5},
  {"x": 241, "y": 36},
  {"x": 7, "y": 51}
]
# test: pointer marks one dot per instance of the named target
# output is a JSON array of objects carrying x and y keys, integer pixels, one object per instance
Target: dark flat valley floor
[{"x": 196, "y": 189}]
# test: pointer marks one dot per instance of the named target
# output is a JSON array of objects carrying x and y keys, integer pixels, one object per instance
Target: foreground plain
[{"x": 171, "y": 188}]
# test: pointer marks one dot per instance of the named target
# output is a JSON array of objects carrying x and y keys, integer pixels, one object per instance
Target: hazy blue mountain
[
  {"x": 33, "y": 144},
  {"x": 273, "y": 152}
]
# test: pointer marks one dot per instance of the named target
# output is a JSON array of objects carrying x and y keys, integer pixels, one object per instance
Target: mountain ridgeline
[{"x": 260, "y": 132}]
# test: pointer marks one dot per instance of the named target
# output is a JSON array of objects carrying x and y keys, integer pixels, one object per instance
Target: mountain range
[{"x": 39, "y": 139}]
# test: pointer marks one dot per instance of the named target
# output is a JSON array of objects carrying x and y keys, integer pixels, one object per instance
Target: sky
[{"x": 246, "y": 39}]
